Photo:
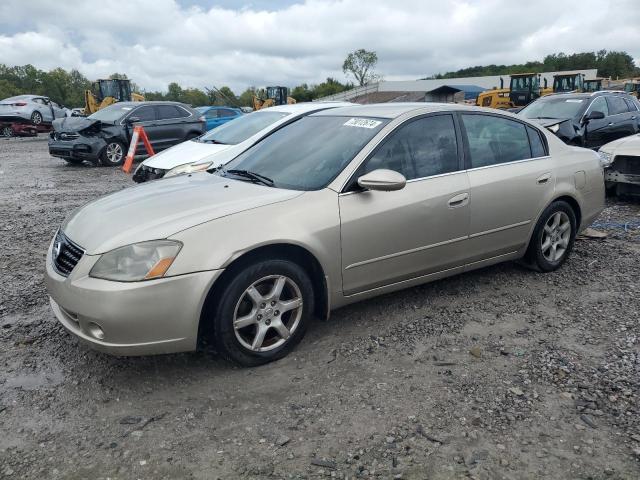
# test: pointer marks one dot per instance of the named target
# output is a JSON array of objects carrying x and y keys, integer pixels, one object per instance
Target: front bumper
[
  {"x": 78, "y": 149},
  {"x": 136, "y": 318}
]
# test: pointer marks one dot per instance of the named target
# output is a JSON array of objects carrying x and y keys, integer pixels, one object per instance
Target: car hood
[
  {"x": 185, "y": 152},
  {"x": 156, "y": 210},
  {"x": 73, "y": 124},
  {"x": 547, "y": 122},
  {"x": 623, "y": 146}
]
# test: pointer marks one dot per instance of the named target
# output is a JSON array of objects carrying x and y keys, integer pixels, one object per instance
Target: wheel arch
[
  {"x": 573, "y": 203},
  {"x": 284, "y": 251}
]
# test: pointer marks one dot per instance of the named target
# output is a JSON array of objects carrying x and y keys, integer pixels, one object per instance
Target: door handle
[
  {"x": 544, "y": 178},
  {"x": 609, "y": 124},
  {"x": 459, "y": 200}
]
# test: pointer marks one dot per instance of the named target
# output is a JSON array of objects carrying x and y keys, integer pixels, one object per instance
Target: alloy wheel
[
  {"x": 6, "y": 131},
  {"x": 114, "y": 153},
  {"x": 268, "y": 313},
  {"x": 556, "y": 236},
  {"x": 36, "y": 118}
]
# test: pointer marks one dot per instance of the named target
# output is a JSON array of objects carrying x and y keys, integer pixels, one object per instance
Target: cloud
[{"x": 159, "y": 41}]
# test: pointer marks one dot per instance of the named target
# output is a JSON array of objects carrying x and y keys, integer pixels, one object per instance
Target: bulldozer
[
  {"x": 107, "y": 92},
  {"x": 274, "y": 96}
]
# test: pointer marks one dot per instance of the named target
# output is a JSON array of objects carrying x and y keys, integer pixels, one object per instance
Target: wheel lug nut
[
  {"x": 267, "y": 322},
  {"x": 259, "y": 317},
  {"x": 273, "y": 303},
  {"x": 262, "y": 305},
  {"x": 276, "y": 313}
]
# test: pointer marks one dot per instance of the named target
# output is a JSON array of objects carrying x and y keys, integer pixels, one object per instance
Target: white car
[
  {"x": 621, "y": 159},
  {"x": 224, "y": 143}
]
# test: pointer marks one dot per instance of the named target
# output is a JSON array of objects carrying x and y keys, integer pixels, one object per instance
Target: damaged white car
[{"x": 621, "y": 159}]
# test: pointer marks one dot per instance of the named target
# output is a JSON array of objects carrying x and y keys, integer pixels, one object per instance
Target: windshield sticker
[
  {"x": 573, "y": 100},
  {"x": 362, "y": 123}
]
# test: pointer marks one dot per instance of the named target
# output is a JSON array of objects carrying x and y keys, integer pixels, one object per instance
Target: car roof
[
  {"x": 585, "y": 95},
  {"x": 393, "y": 110},
  {"x": 307, "y": 106},
  {"x": 150, "y": 102},
  {"x": 24, "y": 97}
]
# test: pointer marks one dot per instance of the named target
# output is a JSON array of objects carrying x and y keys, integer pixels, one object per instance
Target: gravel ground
[{"x": 502, "y": 373}]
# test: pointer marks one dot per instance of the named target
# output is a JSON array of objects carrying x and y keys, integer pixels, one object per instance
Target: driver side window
[
  {"x": 599, "y": 105},
  {"x": 418, "y": 149}
]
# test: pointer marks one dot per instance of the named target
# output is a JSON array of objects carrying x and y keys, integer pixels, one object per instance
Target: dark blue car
[{"x": 216, "y": 116}]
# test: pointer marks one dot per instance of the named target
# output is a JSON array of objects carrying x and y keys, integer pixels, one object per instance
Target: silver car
[
  {"x": 339, "y": 206},
  {"x": 35, "y": 109}
]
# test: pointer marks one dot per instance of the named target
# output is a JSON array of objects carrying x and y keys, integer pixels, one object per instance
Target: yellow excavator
[
  {"x": 568, "y": 82},
  {"x": 274, "y": 96},
  {"x": 107, "y": 92},
  {"x": 593, "y": 85},
  {"x": 523, "y": 88}
]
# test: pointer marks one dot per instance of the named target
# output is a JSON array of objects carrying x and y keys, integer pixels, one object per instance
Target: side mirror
[
  {"x": 594, "y": 115},
  {"x": 383, "y": 180},
  {"x": 134, "y": 119}
]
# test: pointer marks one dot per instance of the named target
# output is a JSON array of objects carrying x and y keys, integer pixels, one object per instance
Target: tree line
[
  {"x": 609, "y": 64},
  {"x": 67, "y": 88}
]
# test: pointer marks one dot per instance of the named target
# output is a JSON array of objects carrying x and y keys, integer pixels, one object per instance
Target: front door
[
  {"x": 146, "y": 118},
  {"x": 510, "y": 176},
  {"x": 388, "y": 237},
  {"x": 597, "y": 132}
]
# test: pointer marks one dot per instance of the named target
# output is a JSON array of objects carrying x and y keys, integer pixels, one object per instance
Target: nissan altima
[{"x": 336, "y": 207}]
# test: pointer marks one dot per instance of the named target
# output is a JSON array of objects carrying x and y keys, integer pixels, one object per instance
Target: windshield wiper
[
  {"x": 256, "y": 177},
  {"x": 214, "y": 141}
]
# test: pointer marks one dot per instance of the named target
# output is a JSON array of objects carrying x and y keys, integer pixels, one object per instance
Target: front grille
[
  {"x": 64, "y": 136},
  {"x": 66, "y": 254}
]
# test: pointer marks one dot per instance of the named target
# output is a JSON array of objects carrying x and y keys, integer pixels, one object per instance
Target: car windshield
[
  {"x": 111, "y": 113},
  {"x": 238, "y": 130},
  {"x": 556, "y": 107},
  {"x": 309, "y": 153}
]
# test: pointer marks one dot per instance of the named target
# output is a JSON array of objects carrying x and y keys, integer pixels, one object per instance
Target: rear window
[{"x": 243, "y": 127}]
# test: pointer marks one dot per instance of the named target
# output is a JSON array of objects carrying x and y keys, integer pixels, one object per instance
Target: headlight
[
  {"x": 188, "y": 168},
  {"x": 554, "y": 128},
  {"x": 605, "y": 158},
  {"x": 139, "y": 261}
]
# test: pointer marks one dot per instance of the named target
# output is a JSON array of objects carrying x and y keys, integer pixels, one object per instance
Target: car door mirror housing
[
  {"x": 133, "y": 119},
  {"x": 594, "y": 115},
  {"x": 382, "y": 180}
]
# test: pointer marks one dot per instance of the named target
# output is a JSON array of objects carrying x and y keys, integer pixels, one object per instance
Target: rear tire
[
  {"x": 36, "y": 118},
  {"x": 262, "y": 312},
  {"x": 191, "y": 136},
  {"x": 113, "y": 154},
  {"x": 553, "y": 237}
]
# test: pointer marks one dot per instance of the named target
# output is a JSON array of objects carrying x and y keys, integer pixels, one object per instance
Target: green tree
[
  {"x": 246, "y": 98},
  {"x": 360, "y": 64}
]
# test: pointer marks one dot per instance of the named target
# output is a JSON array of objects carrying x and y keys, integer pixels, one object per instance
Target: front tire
[
  {"x": 262, "y": 312},
  {"x": 113, "y": 154},
  {"x": 7, "y": 131},
  {"x": 36, "y": 118},
  {"x": 553, "y": 237}
]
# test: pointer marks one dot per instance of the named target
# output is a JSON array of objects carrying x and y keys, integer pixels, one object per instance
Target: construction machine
[
  {"x": 274, "y": 96},
  {"x": 523, "y": 88},
  {"x": 568, "y": 82},
  {"x": 107, "y": 92},
  {"x": 593, "y": 85},
  {"x": 632, "y": 87}
]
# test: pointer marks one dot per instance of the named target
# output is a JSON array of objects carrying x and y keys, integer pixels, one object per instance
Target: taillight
[{"x": 19, "y": 104}]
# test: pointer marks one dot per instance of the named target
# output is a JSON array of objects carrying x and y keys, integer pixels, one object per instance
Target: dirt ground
[{"x": 498, "y": 374}]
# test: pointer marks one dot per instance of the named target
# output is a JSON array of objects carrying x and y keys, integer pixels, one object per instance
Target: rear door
[
  {"x": 510, "y": 177},
  {"x": 171, "y": 125},
  {"x": 389, "y": 237},
  {"x": 621, "y": 118},
  {"x": 212, "y": 118}
]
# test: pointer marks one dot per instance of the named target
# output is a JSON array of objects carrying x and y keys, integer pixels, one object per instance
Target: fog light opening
[{"x": 96, "y": 331}]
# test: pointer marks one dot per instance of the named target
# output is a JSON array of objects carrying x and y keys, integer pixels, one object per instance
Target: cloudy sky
[{"x": 240, "y": 43}]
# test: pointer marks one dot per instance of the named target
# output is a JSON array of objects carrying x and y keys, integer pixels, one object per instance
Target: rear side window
[
  {"x": 418, "y": 149},
  {"x": 630, "y": 104},
  {"x": 167, "y": 112},
  {"x": 494, "y": 140},
  {"x": 213, "y": 113},
  {"x": 537, "y": 145},
  {"x": 226, "y": 113},
  {"x": 145, "y": 113},
  {"x": 617, "y": 105}
]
